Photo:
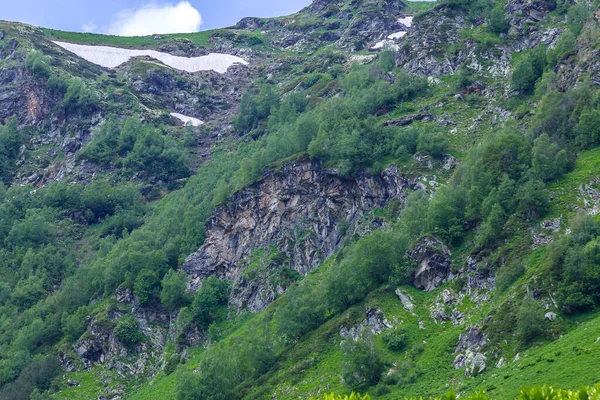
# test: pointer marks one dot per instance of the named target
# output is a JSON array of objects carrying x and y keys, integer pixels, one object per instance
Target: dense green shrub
[
  {"x": 79, "y": 98},
  {"x": 363, "y": 365},
  {"x": 572, "y": 264},
  {"x": 38, "y": 63},
  {"x": 395, "y": 339},
  {"x": 173, "y": 294},
  {"x": 147, "y": 286},
  {"x": 137, "y": 147},
  {"x": 127, "y": 331},
  {"x": 387, "y": 60},
  {"x": 210, "y": 301},
  {"x": 497, "y": 22},
  {"x": 255, "y": 107},
  {"x": 10, "y": 143},
  {"x": 531, "y": 323}
]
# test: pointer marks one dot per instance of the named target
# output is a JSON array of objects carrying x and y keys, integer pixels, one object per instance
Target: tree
[
  {"x": 533, "y": 200},
  {"x": 432, "y": 143},
  {"x": 127, "y": 331},
  {"x": 588, "y": 128},
  {"x": 38, "y": 64},
  {"x": 530, "y": 321},
  {"x": 497, "y": 22},
  {"x": 363, "y": 365},
  {"x": 395, "y": 339},
  {"x": 523, "y": 78},
  {"x": 387, "y": 60},
  {"x": 491, "y": 230},
  {"x": 547, "y": 162},
  {"x": 173, "y": 295},
  {"x": 79, "y": 98},
  {"x": 147, "y": 286},
  {"x": 10, "y": 143},
  {"x": 210, "y": 300}
]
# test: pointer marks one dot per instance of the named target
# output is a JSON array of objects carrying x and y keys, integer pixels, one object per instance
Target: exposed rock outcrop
[
  {"x": 469, "y": 346},
  {"x": 304, "y": 211},
  {"x": 375, "y": 320},
  {"x": 434, "y": 259}
]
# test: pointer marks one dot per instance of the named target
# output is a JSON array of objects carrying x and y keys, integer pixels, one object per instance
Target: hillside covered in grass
[{"x": 403, "y": 221}]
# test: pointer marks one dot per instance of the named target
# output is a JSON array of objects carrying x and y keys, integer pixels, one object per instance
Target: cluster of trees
[
  {"x": 572, "y": 266},
  {"x": 39, "y": 231},
  {"x": 10, "y": 144},
  {"x": 137, "y": 147}
]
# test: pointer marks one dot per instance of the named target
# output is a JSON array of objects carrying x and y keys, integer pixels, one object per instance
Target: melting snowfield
[
  {"x": 390, "y": 41},
  {"x": 406, "y": 21},
  {"x": 112, "y": 57},
  {"x": 187, "y": 120}
]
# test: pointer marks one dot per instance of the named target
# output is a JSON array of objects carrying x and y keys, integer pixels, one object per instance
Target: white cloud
[
  {"x": 154, "y": 18},
  {"x": 89, "y": 27}
]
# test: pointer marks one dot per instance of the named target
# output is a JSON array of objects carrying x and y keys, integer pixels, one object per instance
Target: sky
[{"x": 142, "y": 17}]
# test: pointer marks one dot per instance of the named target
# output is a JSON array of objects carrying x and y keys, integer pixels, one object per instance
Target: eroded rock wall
[{"x": 304, "y": 211}]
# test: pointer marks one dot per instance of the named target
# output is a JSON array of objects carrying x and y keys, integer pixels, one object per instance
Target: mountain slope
[{"x": 403, "y": 221}]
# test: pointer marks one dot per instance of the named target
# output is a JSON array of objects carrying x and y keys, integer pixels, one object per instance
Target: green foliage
[
  {"x": 74, "y": 325},
  {"x": 572, "y": 265},
  {"x": 173, "y": 294},
  {"x": 57, "y": 84},
  {"x": 395, "y": 339},
  {"x": 210, "y": 301},
  {"x": 363, "y": 365},
  {"x": 531, "y": 323},
  {"x": 374, "y": 260},
  {"x": 38, "y": 63},
  {"x": 523, "y": 77},
  {"x": 588, "y": 128},
  {"x": 548, "y": 162},
  {"x": 36, "y": 377},
  {"x": 137, "y": 147},
  {"x": 255, "y": 107},
  {"x": 127, "y": 331},
  {"x": 432, "y": 143},
  {"x": 497, "y": 22},
  {"x": 507, "y": 275},
  {"x": 353, "y": 396},
  {"x": 463, "y": 78},
  {"x": 10, "y": 143},
  {"x": 565, "y": 47},
  {"x": 79, "y": 98},
  {"x": 224, "y": 367},
  {"x": 576, "y": 16},
  {"x": 387, "y": 60},
  {"x": 172, "y": 364},
  {"x": 147, "y": 286}
]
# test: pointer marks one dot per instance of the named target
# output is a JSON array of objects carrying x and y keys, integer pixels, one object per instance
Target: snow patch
[
  {"x": 397, "y": 35},
  {"x": 187, "y": 120},
  {"x": 406, "y": 21},
  {"x": 112, "y": 57},
  {"x": 388, "y": 44}
]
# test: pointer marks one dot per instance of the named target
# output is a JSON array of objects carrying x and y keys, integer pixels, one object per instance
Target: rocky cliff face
[
  {"x": 303, "y": 211},
  {"x": 433, "y": 256},
  {"x": 435, "y": 45}
]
